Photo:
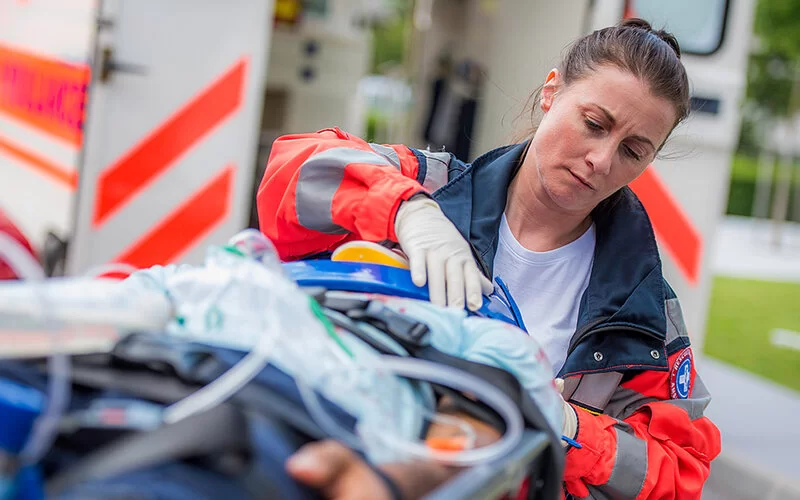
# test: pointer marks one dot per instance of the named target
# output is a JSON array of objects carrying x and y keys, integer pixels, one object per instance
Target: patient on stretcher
[
  {"x": 223, "y": 302},
  {"x": 348, "y": 348}
]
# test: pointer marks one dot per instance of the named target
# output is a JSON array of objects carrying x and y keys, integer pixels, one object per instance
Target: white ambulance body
[
  {"x": 518, "y": 42},
  {"x": 185, "y": 96},
  {"x": 45, "y": 48},
  {"x": 134, "y": 129}
]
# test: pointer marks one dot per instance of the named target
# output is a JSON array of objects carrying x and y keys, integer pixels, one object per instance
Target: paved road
[
  {"x": 746, "y": 248},
  {"x": 760, "y": 435},
  {"x": 759, "y": 420}
]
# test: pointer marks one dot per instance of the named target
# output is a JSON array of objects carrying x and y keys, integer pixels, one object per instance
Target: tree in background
[
  {"x": 389, "y": 37},
  {"x": 773, "y": 88},
  {"x": 772, "y": 106}
]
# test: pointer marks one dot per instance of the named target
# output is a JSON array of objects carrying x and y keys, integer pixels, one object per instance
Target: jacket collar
[
  {"x": 626, "y": 290},
  {"x": 475, "y": 199}
]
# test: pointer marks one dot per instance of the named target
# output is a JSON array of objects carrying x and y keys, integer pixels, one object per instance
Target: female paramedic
[{"x": 552, "y": 221}]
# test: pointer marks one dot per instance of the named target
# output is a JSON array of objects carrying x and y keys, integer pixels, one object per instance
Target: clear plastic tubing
[
  {"x": 230, "y": 382},
  {"x": 439, "y": 374}
]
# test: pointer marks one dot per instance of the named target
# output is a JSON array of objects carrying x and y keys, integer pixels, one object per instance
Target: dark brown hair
[{"x": 634, "y": 46}]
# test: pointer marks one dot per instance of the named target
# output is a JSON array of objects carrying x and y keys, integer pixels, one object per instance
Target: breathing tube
[
  {"x": 227, "y": 384},
  {"x": 419, "y": 369},
  {"x": 240, "y": 374}
]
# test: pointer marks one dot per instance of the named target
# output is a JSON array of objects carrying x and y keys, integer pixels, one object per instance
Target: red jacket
[{"x": 643, "y": 436}]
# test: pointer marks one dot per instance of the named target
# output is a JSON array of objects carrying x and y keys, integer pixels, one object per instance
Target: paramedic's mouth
[{"x": 582, "y": 181}]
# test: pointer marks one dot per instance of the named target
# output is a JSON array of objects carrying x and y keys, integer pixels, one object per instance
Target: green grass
[
  {"x": 741, "y": 316},
  {"x": 744, "y": 173},
  {"x": 744, "y": 168}
]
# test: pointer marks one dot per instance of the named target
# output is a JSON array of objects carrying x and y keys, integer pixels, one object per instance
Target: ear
[{"x": 551, "y": 85}]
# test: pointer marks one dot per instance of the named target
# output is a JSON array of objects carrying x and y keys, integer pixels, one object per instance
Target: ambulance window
[{"x": 699, "y": 26}]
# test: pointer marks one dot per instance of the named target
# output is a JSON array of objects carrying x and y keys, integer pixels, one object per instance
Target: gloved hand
[
  {"x": 570, "y": 428},
  {"x": 438, "y": 254}
]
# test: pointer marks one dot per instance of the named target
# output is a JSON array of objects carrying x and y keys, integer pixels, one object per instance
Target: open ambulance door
[
  {"x": 45, "y": 48},
  {"x": 685, "y": 193},
  {"x": 171, "y": 129}
]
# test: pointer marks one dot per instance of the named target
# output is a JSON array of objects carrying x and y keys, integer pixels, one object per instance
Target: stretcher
[{"x": 149, "y": 368}]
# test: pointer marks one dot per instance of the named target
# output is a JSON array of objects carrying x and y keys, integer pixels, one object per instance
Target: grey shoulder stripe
[
  {"x": 696, "y": 405},
  {"x": 388, "y": 153},
  {"x": 319, "y": 178},
  {"x": 625, "y": 402},
  {"x": 595, "y": 390},
  {"x": 676, "y": 326},
  {"x": 437, "y": 167}
]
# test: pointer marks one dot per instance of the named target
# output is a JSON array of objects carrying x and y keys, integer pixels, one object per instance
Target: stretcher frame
[{"x": 499, "y": 477}]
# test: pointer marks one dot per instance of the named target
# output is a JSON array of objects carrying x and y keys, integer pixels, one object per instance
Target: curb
[{"x": 735, "y": 478}]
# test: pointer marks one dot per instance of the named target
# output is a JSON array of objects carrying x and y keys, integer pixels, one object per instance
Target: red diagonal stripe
[
  {"x": 143, "y": 163},
  {"x": 673, "y": 227},
  {"x": 63, "y": 175},
  {"x": 185, "y": 226}
]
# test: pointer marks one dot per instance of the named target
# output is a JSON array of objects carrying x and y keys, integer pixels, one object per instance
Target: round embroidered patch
[{"x": 680, "y": 377}]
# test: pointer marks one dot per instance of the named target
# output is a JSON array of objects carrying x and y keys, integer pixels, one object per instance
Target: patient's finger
[
  {"x": 318, "y": 464},
  {"x": 337, "y": 472}
]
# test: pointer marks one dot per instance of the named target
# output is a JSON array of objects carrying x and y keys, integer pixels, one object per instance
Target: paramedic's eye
[
  {"x": 593, "y": 125},
  {"x": 631, "y": 153}
]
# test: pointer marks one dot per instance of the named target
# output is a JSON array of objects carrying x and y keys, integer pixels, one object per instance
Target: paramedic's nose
[{"x": 599, "y": 157}]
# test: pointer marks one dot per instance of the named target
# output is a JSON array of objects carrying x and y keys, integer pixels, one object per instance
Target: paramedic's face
[{"x": 598, "y": 134}]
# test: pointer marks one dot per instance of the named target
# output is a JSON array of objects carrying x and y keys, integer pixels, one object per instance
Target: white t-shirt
[{"x": 547, "y": 287}]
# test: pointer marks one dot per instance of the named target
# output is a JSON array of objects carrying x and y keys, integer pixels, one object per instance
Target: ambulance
[{"x": 134, "y": 132}]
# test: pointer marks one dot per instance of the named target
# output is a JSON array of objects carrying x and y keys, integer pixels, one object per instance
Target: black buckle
[
  {"x": 409, "y": 332},
  {"x": 162, "y": 353}
]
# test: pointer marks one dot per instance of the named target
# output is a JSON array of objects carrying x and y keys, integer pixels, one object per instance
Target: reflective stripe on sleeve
[
  {"x": 437, "y": 165},
  {"x": 319, "y": 179},
  {"x": 388, "y": 153},
  {"x": 630, "y": 467}
]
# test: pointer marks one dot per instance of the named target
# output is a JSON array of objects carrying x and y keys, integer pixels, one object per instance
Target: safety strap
[
  {"x": 592, "y": 391},
  {"x": 414, "y": 335},
  {"x": 185, "y": 439},
  {"x": 190, "y": 364},
  {"x": 188, "y": 438},
  {"x": 164, "y": 358}
]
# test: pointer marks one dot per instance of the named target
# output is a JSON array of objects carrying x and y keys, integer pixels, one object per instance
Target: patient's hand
[
  {"x": 340, "y": 474},
  {"x": 337, "y": 472}
]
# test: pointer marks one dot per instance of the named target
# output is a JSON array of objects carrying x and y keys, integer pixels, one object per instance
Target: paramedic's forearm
[{"x": 318, "y": 188}]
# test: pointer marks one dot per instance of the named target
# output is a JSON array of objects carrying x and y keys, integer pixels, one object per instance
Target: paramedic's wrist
[
  {"x": 420, "y": 195},
  {"x": 570, "y": 429},
  {"x": 416, "y": 197}
]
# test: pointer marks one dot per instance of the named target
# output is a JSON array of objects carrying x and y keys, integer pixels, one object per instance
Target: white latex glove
[
  {"x": 438, "y": 254},
  {"x": 570, "y": 428}
]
